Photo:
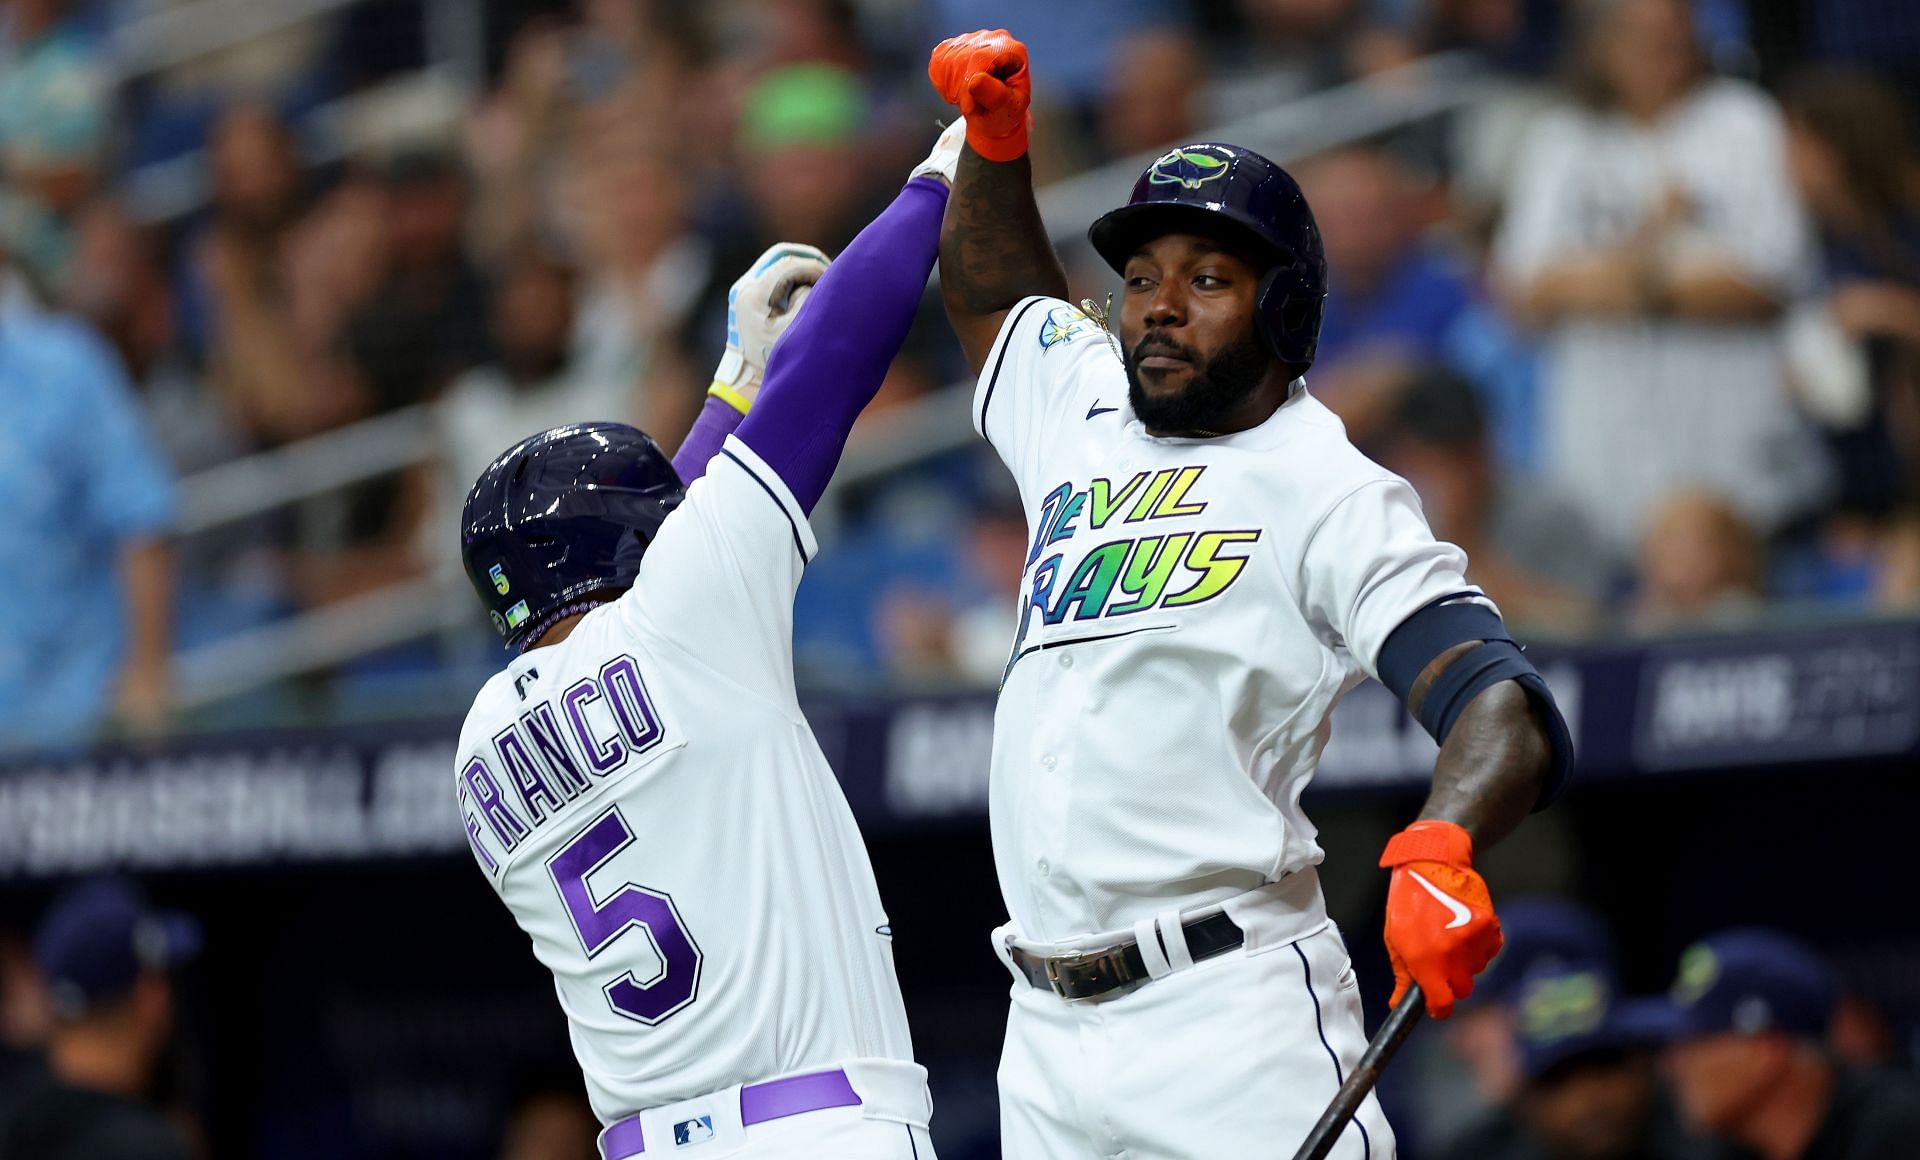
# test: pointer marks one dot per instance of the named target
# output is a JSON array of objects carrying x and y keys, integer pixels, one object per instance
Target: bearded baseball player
[
  {"x": 638, "y": 783},
  {"x": 1212, "y": 566}
]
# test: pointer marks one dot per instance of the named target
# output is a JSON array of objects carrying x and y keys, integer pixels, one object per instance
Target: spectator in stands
[
  {"x": 1289, "y": 48},
  {"x": 118, "y": 284},
  {"x": 426, "y": 319},
  {"x": 55, "y": 105},
  {"x": 278, "y": 308},
  {"x": 1397, "y": 297},
  {"x": 88, "y": 501},
  {"x": 531, "y": 385},
  {"x": 801, "y": 133},
  {"x": 1152, "y": 97},
  {"x": 258, "y": 192},
  {"x": 515, "y": 141},
  {"x": 26, "y": 1014},
  {"x": 1748, "y": 1013},
  {"x": 224, "y": 577},
  {"x": 551, "y": 1124},
  {"x": 1588, "y": 1090},
  {"x": 1540, "y": 934},
  {"x": 1700, "y": 567},
  {"x": 948, "y": 624},
  {"x": 642, "y": 273},
  {"x": 1532, "y": 550},
  {"x": 1652, "y": 237},
  {"x": 1854, "y": 346},
  {"x": 1515, "y": 37},
  {"x": 803, "y": 178},
  {"x": 106, "y": 958},
  {"x": 625, "y": 64},
  {"x": 1472, "y": 1075}
]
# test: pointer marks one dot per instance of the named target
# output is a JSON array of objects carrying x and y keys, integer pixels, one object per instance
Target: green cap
[{"x": 803, "y": 104}]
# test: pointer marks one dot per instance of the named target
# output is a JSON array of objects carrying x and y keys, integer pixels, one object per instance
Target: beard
[{"x": 1218, "y": 388}]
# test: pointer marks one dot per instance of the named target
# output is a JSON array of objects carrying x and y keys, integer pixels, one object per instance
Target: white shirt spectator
[{"x": 1637, "y": 407}]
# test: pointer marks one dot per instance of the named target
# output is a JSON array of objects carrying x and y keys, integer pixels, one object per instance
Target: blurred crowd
[
  {"x": 1757, "y": 1049},
  {"x": 1640, "y": 318}
]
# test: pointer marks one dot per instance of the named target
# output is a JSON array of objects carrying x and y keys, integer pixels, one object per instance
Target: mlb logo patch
[
  {"x": 499, "y": 579},
  {"x": 517, "y": 615},
  {"x": 695, "y": 1131}
]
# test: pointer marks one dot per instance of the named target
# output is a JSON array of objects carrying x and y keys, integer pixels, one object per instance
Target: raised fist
[{"x": 985, "y": 74}]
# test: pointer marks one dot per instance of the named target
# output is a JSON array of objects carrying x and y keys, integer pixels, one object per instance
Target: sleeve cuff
[{"x": 776, "y": 488}]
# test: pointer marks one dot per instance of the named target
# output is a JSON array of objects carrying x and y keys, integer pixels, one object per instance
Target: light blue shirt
[{"x": 79, "y": 475}]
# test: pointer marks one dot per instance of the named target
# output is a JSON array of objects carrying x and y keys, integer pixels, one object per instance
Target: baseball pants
[{"x": 1234, "y": 1056}]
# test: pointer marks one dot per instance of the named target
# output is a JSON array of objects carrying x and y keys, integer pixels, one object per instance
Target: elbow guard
[{"x": 1411, "y": 647}]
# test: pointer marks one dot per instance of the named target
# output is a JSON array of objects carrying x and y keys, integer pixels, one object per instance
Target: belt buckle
[{"x": 1057, "y": 964}]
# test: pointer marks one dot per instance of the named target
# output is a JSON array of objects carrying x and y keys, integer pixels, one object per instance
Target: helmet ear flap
[{"x": 1288, "y": 315}]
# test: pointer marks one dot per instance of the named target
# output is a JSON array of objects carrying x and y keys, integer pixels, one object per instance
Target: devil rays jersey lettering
[{"x": 1191, "y": 611}]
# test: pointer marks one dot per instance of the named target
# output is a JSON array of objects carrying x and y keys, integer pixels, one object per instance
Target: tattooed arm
[
  {"x": 1494, "y": 764},
  {"x": 993, "y": 250}
]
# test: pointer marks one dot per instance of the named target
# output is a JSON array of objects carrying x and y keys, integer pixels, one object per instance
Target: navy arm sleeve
[{"x": 1455, "y": 620}]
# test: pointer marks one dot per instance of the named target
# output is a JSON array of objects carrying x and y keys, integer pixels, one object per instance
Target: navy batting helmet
[
  {"x": 1210, "y": 186},
  {"x": 560, "y": 515}
]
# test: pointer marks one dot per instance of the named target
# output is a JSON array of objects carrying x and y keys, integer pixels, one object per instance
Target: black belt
[{"x": 1089, "y": 974}]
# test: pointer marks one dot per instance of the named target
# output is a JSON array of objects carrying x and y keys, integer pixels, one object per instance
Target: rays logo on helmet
[
  {"x": 499, "y": 579},
  {"x": 1559, "y": 1008},
  {"x": 1699, "y": 971},
  {"x": 1190, "y": 167}
]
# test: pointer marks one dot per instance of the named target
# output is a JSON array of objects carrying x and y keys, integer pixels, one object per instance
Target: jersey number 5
[{"x": 604, "y": 921}]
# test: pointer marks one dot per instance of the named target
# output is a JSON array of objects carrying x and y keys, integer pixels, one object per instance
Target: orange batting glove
[
  {"x": 985, "y": 74},
  {"x": 1441, "y": 930}
]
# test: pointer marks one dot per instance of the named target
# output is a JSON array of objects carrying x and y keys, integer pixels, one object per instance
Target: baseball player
[
  {"x": 1212, "y": 565},
  {"x": 638, "y": 783}
]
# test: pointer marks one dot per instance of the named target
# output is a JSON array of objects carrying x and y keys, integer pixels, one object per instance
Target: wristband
[
  {"x": 1430, "y": 841},
  {"x": 728, "y": 395},
  {"x": 1011, "y": 147}
]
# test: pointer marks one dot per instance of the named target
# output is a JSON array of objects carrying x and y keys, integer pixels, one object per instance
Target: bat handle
[{"x": 1380, "y": 1049}]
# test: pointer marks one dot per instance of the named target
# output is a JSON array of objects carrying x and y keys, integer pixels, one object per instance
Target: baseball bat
[{"x": 1373, "y": 1061}]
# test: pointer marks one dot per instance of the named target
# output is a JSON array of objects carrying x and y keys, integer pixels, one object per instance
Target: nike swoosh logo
[
  {"x": 1097, "y": 409},
  {"x": 1461, "y": 914}
]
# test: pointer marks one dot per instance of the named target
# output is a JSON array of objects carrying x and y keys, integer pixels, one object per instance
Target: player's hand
[
  {"x": 945, "y": 157},
  {"x": 1441, "y": 930},
  {"x": 762, "y": 303},
  {"x": 985, "y": 74}
]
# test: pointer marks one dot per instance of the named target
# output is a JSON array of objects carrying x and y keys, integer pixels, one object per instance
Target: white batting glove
[
  {"x": 761, "y": 305},
  {"x": 946, "y": 153}
]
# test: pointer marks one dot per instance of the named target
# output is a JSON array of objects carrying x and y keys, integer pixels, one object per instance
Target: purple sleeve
[
  {"x": 829, "y": 364},
  {"x": 717, "y": 421}
]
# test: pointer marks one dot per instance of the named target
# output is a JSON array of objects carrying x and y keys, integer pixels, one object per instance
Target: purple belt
[{"x": 759, "y": 1102}]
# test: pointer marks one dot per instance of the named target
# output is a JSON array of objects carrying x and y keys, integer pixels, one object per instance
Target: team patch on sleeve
[{"x": 1064, "y": 324}]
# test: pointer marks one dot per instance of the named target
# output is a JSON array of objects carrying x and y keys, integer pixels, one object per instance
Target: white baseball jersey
[
  {"x": 648, "y": 801},
  {"x": 1190, "y": 612}
]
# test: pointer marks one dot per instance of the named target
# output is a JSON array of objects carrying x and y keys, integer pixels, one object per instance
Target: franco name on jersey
[
  {"x": 546, "y": 763},
  {"x": 1159, "y": 567}
]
